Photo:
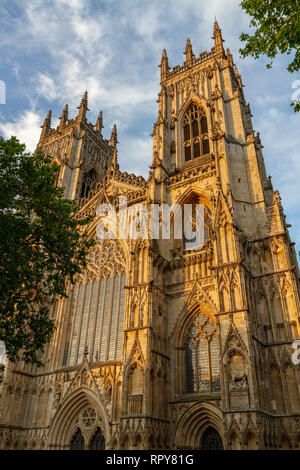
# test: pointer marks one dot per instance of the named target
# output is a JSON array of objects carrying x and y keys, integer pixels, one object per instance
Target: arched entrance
[
  {"x": 211, "y": 440},
  {"x": 81, "y": 423},
  {"x": 200, "y": 427}
]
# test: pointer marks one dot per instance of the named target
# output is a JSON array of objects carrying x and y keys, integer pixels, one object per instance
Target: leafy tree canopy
[
  {"x": 277, "y": 24},
  {"x": 42, "y": 244}
]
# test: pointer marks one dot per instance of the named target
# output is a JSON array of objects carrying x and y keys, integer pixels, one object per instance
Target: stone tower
[
  {"x": 160, "y": 345},
  {"x": 79, "y": 148}
]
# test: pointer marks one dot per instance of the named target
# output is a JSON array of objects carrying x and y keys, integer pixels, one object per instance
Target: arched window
[
  {"x": 96, "y": 307},
  {"x": 201, "y": 218},
  {"x": 77, "y": 442},
  {"x": 202, "y": 357},
  {"x": 89, "y": 181},
  {"x": 98, "y": 441},
  {"x": 195, "y": 133}
]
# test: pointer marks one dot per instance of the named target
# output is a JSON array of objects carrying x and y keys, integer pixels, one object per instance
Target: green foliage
[
  {"x": 42, "y": 245},
  {"x": 277, "y": 24}
]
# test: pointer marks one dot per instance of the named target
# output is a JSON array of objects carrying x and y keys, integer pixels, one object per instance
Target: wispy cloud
[{"x": 26, "y": 128}]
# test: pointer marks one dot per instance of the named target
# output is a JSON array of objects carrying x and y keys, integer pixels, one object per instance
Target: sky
[{"x": 54, "y": 50}]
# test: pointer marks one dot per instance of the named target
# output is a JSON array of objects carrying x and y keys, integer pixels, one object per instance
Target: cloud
[
  {"x": 26, "y": 128},
  {"x": 46, "y": 87},
  {"x": 74, "y": 4}
]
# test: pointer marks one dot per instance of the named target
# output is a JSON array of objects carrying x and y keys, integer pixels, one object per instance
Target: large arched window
[
  {"x": 202, "y": 357},
  {"x": 195, "y": 133},
  {"x": 89, "y": 181},
  {"x": 96, "y": 307}
]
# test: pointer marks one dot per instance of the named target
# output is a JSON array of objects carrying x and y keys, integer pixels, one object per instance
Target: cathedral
[{"x": 159, "y": 346}]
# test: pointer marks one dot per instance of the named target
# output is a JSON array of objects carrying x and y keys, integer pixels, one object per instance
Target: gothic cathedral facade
[{"x": 159, "y": 346}]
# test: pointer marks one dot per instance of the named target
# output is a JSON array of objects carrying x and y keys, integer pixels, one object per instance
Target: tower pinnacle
[
  {"x": 217, "y": 36},
  {"x": 46, "y": 125},
  {"x": 64, "y": 116},
  {"x": 83, "y": 107},
  {"x": 164, "y": 65},
  {"x": 99, "y": 124},
  {"x": 188, "y": 52},
  {"x": 114, "y": 163},
  {"x": 113, "y": 138}
]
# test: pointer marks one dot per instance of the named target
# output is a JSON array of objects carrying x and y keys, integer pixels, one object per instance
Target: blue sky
[{"x": 52, "y": 51}]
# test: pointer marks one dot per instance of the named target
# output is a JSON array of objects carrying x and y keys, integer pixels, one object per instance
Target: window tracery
[
  {"x": 88, "y": 417},
  {"x": 88, "y": 182},
  {"x": 202, "y": 220},
  {"x": 195, "y": 133},
  {"x": 202, "y": 356},
  {"x": 96, "y": 307}
]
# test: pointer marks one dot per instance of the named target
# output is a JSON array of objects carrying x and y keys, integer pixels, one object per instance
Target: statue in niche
[
  {"x": 239, "y": 381},
  {"x": 107, "y": 392}
]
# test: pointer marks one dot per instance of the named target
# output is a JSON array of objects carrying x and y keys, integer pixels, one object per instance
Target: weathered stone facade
[{"x": 157, "y": 346}]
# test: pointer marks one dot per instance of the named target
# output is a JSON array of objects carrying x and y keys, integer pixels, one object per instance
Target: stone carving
[
  {"x": 57, "y": 396},
  {"x": 239, "y": 381}
]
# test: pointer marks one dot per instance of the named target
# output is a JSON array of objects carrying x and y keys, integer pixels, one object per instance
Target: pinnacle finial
[
  {"x": 47, "y": 121},
  {"x": 64, "y": 116},
  {"x": 188, "y": 52},
  {"x": 83, "y": 107},
  {"x": 99, "y": 124},
  {"x": 46, "y": 125},
  {"x": 216, "y": 25},
  {"x": 113, "y": 138},
  {"x": 84, "y": 100},
  {"x": 164, "y": 65},
  {"x": 217, "y": 36}
]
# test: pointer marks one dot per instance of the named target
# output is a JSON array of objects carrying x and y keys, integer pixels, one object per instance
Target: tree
[
  {"x": 278, "y": 30},
  {"x": 42, "y": 246}
]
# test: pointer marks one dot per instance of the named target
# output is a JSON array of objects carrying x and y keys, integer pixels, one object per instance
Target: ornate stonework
[{"x": 159, "y": 346}]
